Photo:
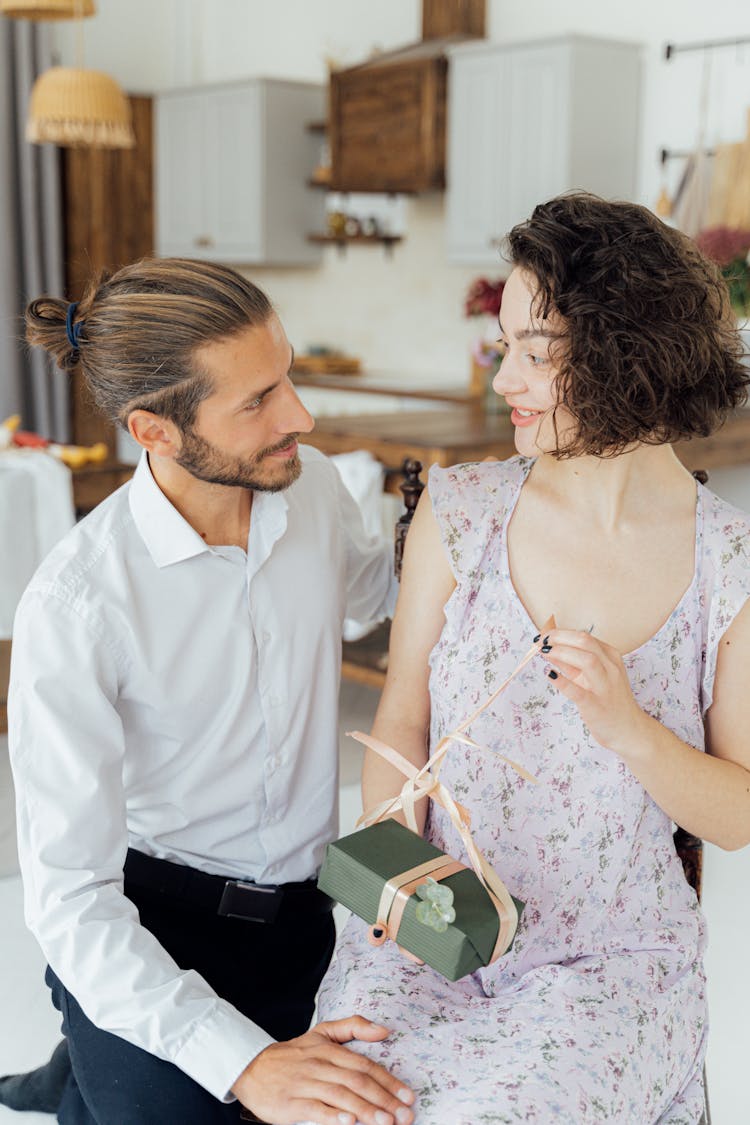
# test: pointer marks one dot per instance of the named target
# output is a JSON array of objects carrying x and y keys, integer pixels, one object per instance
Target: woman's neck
[{"x": 611, "y": 490}]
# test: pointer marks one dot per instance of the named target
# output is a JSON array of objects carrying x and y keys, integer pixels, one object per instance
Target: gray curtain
[{"x": 31, "y": 239}]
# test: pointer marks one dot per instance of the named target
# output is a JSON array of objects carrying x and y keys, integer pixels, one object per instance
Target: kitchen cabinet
[
  {"x": 529, "y": 121},
  {"x": 387, "y": 121},
  {"x": 232, "y": 164}
]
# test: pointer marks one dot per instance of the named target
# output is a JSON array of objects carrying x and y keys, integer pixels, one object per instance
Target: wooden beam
[{"x": 443, "y": 18}]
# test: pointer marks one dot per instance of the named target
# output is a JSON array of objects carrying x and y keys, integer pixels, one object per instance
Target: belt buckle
[{"x": 250, "y": 901}]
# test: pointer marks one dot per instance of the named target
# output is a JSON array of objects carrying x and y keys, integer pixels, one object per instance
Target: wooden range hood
[{"x": 387, "y": 116}]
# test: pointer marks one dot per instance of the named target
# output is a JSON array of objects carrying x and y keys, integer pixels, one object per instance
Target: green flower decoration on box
[{"x": 436, "y": 907}]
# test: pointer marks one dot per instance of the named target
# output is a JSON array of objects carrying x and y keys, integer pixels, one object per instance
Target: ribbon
[
  {"x": 425, "y": 782},
  {"x": 399, "y": 888}
]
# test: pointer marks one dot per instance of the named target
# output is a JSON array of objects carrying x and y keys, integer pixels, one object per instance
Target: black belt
[{"x": 232, "y": 898}]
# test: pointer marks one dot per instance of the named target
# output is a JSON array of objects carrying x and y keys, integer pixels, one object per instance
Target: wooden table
[
  {"x": 465, "y": 433},
  {"x": 372, "y": 383},
  {"x": 93, "y": 483}
]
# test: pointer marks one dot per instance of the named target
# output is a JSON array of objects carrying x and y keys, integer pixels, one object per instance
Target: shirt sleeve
[
  {"x": 470, "y": 503},
  {"x": 67, "y": 746},
  {"x": 371, "y": 586}
]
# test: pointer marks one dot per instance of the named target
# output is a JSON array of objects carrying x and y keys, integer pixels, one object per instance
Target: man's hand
[{"x": 315, "y": 1078}]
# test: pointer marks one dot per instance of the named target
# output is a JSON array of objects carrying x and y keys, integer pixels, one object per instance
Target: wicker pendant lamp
[
  {"x": 47, "y": 9},
  {"x": 74, "y": 107}
]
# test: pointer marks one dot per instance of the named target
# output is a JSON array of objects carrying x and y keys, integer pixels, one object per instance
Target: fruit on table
[{"x": 74, "y": 456}]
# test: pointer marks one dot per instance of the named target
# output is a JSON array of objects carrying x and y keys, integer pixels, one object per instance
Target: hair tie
[{"x": 73, "y": 331}]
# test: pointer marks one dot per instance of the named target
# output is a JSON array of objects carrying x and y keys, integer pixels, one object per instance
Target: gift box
[
  {"x": 357, "y": 868},
  {"x": 456, "y": 919}
]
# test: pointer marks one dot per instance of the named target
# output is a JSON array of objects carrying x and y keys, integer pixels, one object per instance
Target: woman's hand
[{"x": 592, "y": 675}]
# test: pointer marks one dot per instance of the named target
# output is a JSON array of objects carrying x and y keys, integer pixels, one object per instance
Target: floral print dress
[{"x": 598, "y": 1012}]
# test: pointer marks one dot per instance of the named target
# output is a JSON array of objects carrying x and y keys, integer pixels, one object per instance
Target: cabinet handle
[{"x": 203, "y": 240}]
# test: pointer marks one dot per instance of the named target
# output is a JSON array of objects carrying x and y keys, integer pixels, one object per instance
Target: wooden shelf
[
  {"x": 93, "y": 483},
  {"x": 4, "y": 677},
  {"x": 344, "y": 240},
  {"x": 396, "y": 386}
]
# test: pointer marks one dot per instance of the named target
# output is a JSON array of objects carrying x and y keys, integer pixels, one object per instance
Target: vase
[{"x": 486, "y": 357}]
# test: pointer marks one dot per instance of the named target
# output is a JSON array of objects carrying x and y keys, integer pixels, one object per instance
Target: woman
[{"x": 618, "y": 340}]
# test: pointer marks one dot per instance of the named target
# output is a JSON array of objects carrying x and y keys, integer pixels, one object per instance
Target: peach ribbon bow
[{"x": 425, "y": 782}]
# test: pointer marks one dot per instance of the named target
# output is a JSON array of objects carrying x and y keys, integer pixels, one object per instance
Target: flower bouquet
[
  {"x": 730, "y": 249},
  {"x": 483, "y": 300}
]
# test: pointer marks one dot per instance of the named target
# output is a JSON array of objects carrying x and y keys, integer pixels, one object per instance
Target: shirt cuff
[{"x": 219, "y": 1049}]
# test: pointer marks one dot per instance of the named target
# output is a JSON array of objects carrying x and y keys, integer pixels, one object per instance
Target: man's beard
[{"x": 207, "y": 463}]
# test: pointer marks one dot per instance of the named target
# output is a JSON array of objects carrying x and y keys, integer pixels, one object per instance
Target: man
[{"x": 172, "y": 716}]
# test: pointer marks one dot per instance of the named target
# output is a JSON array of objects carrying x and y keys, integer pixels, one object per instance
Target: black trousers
[{"x": 270, "y": 971}]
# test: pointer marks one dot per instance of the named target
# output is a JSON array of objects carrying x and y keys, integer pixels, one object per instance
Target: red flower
[
  {"x": 484, "y": 297},
  {"x": 724, "y": 244}
]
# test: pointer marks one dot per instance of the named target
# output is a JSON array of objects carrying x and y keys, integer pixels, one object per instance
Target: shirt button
[
  {"x": 275, "y": 700},
  {"x": 265, "y": 636}
]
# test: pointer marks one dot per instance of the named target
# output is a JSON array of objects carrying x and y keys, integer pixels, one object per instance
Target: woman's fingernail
[
  {"x": 404, "y": 1116},
  {"x": 552, "y": 674},
  {"x": 546, "y": 648},
  {"x": 546, "y": 640},
  {"x": 404, "y": 1095},
  {"x": 347, "y": 1119},
  {"x": 538, "y": 637}
]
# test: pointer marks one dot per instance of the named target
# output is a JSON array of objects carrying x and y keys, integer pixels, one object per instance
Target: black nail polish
[
  {"x": 377, "y": 933},
  {"x": 546, "y": 640},
  {"x": 546, "y": 648},
  {"x": 538, "y": 637},
  {"x": 552, "y": 673}
]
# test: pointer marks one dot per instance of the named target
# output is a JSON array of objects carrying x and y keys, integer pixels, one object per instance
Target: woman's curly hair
[{"x": 651, "y": 351}]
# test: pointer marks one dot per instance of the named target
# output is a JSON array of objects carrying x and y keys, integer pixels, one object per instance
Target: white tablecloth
[{"x": 36, "y": 509}]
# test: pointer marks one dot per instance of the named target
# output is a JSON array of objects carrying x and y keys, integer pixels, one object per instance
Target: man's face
[{"x": 245, "y": 432}]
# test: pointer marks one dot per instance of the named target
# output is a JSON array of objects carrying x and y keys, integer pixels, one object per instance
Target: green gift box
[{"x": 356, "y": 869}]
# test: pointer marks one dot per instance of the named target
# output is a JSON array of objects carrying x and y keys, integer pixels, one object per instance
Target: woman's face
[{"x": 527, "y": 375}]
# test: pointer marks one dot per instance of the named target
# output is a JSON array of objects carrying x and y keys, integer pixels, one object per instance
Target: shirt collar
[
  {"x": 169, "y": 538},
  {"x": 268, "y": 522}
]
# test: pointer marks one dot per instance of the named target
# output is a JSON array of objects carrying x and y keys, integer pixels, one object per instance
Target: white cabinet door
[
  {"x": 233, "y": 124},
  {"x": 536, "y": 116},
  {"x": 180, "y": 183},
  {"x": 228, "y": 188},
  {"x": 476, "y": 162},
  {"x": 529, "y": 122}
]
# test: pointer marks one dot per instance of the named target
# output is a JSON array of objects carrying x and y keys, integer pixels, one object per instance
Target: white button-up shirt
[{"x": 180, "y": 699}]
